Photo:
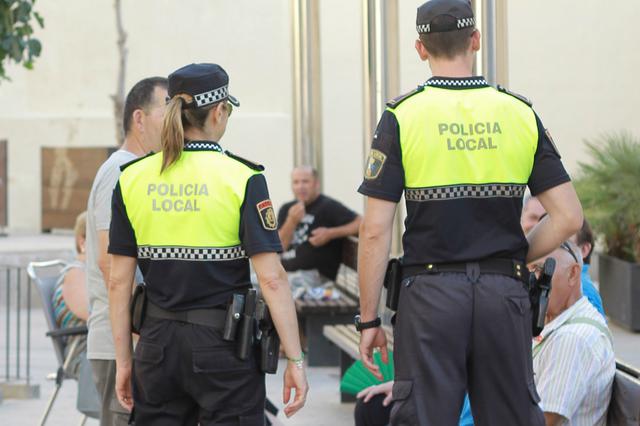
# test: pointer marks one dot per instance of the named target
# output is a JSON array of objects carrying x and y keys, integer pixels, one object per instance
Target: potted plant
[{"x": 609, "y": 189}]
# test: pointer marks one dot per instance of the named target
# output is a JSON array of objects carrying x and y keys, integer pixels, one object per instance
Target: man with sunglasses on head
[{"x": 573, "y": 358}]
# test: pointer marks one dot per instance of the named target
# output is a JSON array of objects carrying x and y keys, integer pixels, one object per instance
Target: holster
[
  {"x": 234, "y": 314},
  {"x": 539, "y": 290},
  {"x": 138, "y": 307},
  {"x": 269, "y": 339},
  {"x": 244, "y": 342},
  {"x": 392, "y": 282}
]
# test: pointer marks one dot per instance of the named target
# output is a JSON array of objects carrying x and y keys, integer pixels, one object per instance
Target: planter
[{"x": 620, "y": 290}]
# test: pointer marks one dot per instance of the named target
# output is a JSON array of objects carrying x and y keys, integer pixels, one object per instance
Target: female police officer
[{"x": 191, "y": 215}]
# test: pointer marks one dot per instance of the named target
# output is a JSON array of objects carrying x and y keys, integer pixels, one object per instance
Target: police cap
[
  {"x": 206, "y": 83},
  {"x": 459, "y": 11}
]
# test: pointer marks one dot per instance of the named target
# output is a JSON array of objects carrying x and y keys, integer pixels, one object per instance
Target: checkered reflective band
[
  {"x": 423, "y": 28},
  {"x": 491, "y": 190},
  {"x": 467, "y": 82},
  {"x": 202, "y": 146},
  {"x": 466, "y": 22},
  {"x": 195, "y": 254},
  {"x": 212, "y": 96}
]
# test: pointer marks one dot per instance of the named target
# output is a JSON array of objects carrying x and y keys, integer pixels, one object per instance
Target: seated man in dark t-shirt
[{"x": 312, "y": 226}]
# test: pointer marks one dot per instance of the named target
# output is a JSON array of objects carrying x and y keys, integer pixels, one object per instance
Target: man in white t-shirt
[
  {"x": 142, "y": 123},
  {"x": 573, "y": 358}
]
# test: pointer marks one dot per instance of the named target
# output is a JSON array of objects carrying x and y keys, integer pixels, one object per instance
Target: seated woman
[{"x": 70, "y": 300}]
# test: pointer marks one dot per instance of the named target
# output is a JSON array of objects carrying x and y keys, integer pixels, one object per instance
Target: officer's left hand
[
  {"x": 123, "y": 387},
  {"x": 294, "y": 379},
  {"x": 373, "y": 338},
  {"x": 320, "y": 236}
]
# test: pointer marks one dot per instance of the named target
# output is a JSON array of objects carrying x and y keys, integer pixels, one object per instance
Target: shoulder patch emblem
[
  {"x": 267, "y": 215},
  {"x": 515, "y": 95},
  {"x": 553, "y": 144},
  {"x": 374, "y": 164},
  {"x": 397, "y": 101}
]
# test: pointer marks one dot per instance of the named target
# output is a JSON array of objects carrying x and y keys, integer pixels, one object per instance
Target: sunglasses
[
  {"x": 537, "y": 269},
  {"x": 229, "y": 107},
  {"x": 565, "y": 246}
]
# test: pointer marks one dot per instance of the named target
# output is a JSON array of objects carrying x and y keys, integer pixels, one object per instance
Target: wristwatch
[{"x": 364, "y": 325}]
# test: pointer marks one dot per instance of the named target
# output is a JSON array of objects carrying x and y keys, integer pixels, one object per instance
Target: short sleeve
[
  {"x": 339, "y": 214},
  {"x": 103, "y": 192},
  {"x": 122, "y": 238},
  {"x": 562, "y": 389},
  {"x": 282, "y": 214},
  {"x": 384, "y": 174},
  {"x": 258, "y": 224},
  {"x": 548, "y": 170}
]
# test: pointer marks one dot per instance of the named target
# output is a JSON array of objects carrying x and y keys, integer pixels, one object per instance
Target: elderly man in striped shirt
[{"x": 573, "y": 357}]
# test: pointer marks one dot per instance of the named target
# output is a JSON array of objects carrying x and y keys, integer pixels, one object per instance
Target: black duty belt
[
  {"x": 509, "y": 267},
  {"x": 210, "y": 317}
]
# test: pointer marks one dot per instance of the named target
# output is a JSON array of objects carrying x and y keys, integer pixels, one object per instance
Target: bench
[
  {"x": 624, "y": 409},
  {"x": 315, "y": 314},
  {"x": 347, "y": 340}
]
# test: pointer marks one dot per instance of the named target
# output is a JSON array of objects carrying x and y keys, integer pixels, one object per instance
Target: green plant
[
  {"x": 609, "y": 189},
  {"x": 16, "y": 41}
]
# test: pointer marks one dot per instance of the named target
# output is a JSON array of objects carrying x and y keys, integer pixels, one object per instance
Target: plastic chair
[{"x": 65, "y": 348}]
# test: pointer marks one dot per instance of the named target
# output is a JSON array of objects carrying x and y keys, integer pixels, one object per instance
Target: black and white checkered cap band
[
  {"x": 212, "y": 96},
  {"x": 194, "y": 254},
  {"x": 460, "y": 24},
  {"x": 467, "y": 82},
  {"x": 466, "y": 22},
  {"x": 492, "y": 190}
]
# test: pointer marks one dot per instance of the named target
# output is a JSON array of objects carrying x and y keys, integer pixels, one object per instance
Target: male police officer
[{"x": 463, "y": 153}]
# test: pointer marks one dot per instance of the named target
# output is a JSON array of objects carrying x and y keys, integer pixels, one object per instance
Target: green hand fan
[{"x": 357, "y": 377}]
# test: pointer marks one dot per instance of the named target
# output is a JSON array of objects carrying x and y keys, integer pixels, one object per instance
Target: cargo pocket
[
  {"x": 403, "y": 412},
  {"x": 149, "y": 373},
  {"x": 220, "y": 360}
]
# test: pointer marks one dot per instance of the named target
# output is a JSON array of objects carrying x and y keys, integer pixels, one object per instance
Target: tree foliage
[
  {"x": 609, "y": 188},
  {"x": 17, "y": 43}
]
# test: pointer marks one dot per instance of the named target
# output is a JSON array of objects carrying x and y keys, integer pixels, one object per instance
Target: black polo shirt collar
[{"x": 457, "y": 82}]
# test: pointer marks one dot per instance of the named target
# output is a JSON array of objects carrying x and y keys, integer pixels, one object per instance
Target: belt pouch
[
  {"x": 392, "y": 282},
  {"x": 138, "y": 307}
]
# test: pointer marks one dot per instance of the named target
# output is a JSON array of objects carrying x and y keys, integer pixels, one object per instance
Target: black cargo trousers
[
  {"x": 464, "y": 331},
  {"x": 186, "y": 374}
]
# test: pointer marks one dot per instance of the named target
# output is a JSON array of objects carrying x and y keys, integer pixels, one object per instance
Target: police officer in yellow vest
[
  {"x": 191, "y": 217},
  {"x": 463, "y": 153}
]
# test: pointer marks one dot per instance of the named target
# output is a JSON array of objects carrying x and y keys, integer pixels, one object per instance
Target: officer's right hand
[
  {"x": 123, "y": 387},
  {"x": 370, "y": 339},
  {"x": 296, "y": 212},
  {"x": 294, "y": 378}
]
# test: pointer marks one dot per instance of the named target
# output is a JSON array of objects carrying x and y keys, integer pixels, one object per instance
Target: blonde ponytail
[{"x": 172, "y": 133}]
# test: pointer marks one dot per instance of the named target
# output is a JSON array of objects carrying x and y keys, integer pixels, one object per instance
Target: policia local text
[
  {"x": 459, "y": 133},
  {"x": 181, "y": 197}
]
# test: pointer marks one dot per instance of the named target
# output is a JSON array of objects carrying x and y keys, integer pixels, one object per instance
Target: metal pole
[
  {"x": 486, "y": 63},
  {"x": 8, "y": 350},
  {"x": 18, "y": 322},
  {"x": 489, "y": 57},
  {"x": 380, "y": 75},
  {"x": 29, "y": 331},
  {"x": 307, "y": 95}
]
